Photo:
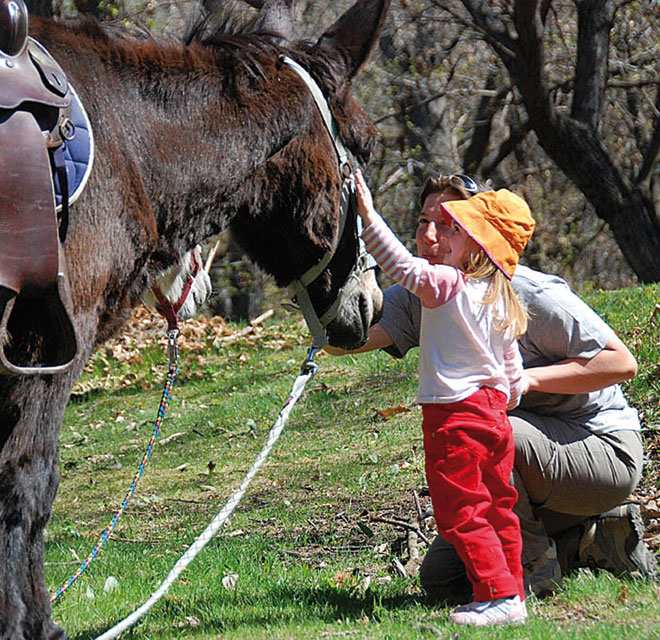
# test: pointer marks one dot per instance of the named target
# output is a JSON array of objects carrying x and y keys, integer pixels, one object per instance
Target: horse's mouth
[{"x": 351, "y": 327}]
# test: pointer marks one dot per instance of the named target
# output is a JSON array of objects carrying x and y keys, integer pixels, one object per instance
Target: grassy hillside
[{"x": 323, "y": 543}]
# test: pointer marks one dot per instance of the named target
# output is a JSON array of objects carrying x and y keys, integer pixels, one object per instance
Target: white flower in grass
[
  {"x": 229, "y": 581},
  {"x": 111, "y": 584}
]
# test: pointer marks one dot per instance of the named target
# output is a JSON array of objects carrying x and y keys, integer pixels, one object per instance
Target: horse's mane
[
  {"x": 207, "y": 26},
  {"x": 202, "y": 42},
  {"x": 228, "y": 48},
  {"x": 208, "y": 45},
  {"x": 239, "y": 38}
]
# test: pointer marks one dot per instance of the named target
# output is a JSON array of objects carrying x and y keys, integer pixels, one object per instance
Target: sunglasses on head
[{"x": 466, "y": 182}]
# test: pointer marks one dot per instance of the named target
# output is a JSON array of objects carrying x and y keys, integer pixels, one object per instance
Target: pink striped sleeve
[
  {"x": 513, "y": 368},
  {"x": 434, "y": 285}
]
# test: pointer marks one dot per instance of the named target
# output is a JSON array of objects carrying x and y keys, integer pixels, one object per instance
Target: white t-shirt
[
  {"x": 462, "y": 351},
  {"x": 560, "y": 326}
]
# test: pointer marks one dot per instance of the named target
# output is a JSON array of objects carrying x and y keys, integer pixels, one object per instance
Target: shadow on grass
[
  {"x": 282, "y": 606},
  {"x": 242, "y": 377}
]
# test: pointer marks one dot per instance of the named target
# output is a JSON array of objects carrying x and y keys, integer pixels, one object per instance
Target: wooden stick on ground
[
  {"x": 211, "y": 257},
  {"x": 400, "y": 523},
  {"x": 253, "y": 323}
]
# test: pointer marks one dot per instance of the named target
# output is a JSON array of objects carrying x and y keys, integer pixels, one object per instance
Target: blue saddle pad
[{"x": 78, "y": 153}]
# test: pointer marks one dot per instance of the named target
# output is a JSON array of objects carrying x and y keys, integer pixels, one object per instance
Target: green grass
[
  {"x": 635, "y": 314},
  {"x": 312, "y": 542}
]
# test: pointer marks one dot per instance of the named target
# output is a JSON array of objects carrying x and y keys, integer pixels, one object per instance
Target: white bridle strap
[
  {"x": 324, "y": 109},
  {"x": 298, "y": 288}
]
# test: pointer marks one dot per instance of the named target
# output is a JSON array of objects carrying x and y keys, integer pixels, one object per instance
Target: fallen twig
[
  {"x": 264, "y": 316},
  {"x": 399, "y": 568},
  {"x": 401, "y": 523},
  {"x": 174, "y": 436},
  {"x": 418, "y": 506},
  {"x": 253, "y": 324},
  {"x": 413, "y": 548},
  {"x": 211, "y": 257}
]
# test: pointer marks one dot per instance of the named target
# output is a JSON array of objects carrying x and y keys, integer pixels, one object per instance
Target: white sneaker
[{"x": 481, "y": 614}]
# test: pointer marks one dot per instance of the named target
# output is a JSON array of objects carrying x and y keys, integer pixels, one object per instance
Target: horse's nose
[{"x": 373, "y": 294}]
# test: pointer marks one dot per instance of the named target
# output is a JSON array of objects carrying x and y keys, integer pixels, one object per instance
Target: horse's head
[{"x": 293, "y": 223}]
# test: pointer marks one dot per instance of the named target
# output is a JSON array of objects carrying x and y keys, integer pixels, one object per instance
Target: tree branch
[
  {"x": 529, "y": 67},
  {"x": 483, "y": 123},
  {"x": 492, "y": 27},
  {"x": 651, "y": 153},
  {"x": 516, "y": 136},
  {"x": 404, "y": 111},
  {"x": 257, "y": 4},
  {"x": 595, "y": 18}
]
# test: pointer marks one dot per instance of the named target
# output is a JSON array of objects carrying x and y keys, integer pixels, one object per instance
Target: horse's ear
[
  {"x": 356, "y": 31},
  {"x": 276, "y": 20}
]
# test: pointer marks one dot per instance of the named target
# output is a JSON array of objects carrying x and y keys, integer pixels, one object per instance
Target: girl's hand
[
  {"x": 366, "y": 209},
  {"x": 525, "y": 384}
]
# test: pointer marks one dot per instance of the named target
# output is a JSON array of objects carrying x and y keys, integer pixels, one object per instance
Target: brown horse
[{"x": 191, "y": 139}]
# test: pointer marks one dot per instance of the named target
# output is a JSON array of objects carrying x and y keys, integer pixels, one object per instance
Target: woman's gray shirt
[{"x": 561, "y": 325}]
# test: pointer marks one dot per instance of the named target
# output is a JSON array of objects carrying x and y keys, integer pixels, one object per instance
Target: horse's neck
[
  {"x": 197, "y": 125},
  {"x": 194, "y": 141}
]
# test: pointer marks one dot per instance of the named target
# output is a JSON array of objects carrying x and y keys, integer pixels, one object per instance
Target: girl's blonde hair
[{"x": 513, "y": 314}]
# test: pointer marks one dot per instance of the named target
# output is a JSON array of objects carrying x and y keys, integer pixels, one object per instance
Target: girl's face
[{"x": 440, "y": 240}]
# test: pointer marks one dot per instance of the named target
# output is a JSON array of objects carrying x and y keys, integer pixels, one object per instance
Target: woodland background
[{"x": 558, "y": 100}]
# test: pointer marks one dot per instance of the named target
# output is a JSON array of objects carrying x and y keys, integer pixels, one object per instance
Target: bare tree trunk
[{"x": 573, "y": 142}]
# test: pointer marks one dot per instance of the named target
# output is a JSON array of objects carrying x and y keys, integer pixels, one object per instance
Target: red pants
[{"x": 469, "y": 458}]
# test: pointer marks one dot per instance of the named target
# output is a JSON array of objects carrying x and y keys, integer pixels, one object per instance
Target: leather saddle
[{"x": 37, "y": 335}]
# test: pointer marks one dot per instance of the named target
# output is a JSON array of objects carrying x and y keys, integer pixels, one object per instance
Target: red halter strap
[{"x": 169, "y": 309}]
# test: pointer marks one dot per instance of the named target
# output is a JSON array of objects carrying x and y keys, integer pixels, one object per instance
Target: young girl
[{"x": 470, "y": 372}]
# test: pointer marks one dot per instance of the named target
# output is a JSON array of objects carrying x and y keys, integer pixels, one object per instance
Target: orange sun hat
[{"x": 500, "y": 222}]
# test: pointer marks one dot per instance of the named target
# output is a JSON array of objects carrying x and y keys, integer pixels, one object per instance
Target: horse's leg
[{"x": 32, "y": 413}]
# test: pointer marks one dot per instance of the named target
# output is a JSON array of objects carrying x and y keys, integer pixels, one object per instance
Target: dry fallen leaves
[
  {"x": 391, "y": 411},
  {"x": 146, "y": 329},
  {"x": 341, "y": 578}
]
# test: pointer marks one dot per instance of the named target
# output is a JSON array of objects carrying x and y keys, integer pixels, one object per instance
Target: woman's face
[{"x": 431, "y": 242}]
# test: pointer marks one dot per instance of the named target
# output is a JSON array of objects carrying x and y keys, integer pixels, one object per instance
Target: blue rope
[{"x": 162, "y": 410}]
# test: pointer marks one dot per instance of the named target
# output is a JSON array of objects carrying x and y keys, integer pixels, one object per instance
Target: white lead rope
[{"x": 307, "y": 372}]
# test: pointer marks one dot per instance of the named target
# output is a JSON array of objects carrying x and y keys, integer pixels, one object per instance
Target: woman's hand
[{"x": 377, "y": 338}]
